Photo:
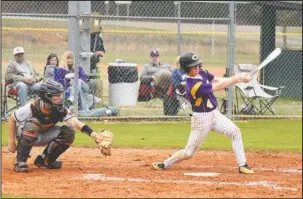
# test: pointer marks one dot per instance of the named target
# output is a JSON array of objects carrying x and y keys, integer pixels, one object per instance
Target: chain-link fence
[
  {"x": 120, "y": 73},
  {"x": 262, "y": 27}
]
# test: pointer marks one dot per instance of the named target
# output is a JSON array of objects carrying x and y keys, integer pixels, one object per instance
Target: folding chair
[
  {"x": 10, "y": 92},
  {"x": 147, "y": 92},
  {"x": 256, "y": 100},
  {"x": 180, "y": 94}
]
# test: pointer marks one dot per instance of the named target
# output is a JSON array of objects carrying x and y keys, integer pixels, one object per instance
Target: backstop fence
[{"x": 229, "y": 37}]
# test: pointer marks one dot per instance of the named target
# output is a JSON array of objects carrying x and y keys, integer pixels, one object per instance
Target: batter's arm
[
  {"x": 217, "y": 79},
  {"x": 223, "y": 83}
]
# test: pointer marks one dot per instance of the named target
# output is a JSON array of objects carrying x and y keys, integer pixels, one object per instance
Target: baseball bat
[{"x": 273, "y": 55}]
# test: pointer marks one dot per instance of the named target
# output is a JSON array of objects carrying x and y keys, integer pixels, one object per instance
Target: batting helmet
[
  {"x": 50, "y": 88},
  {"x": 188, "y": 60}
]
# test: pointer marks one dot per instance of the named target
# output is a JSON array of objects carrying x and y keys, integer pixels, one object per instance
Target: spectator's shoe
[
  {"x": 69, "y": 102},
  {"x": 39, "y": 162},
  {"x": 97, "y": 100},
  {"x": 21, "y": 167},
  {"x": 158, "y": 166},
  {"x": 245, "y": 169}
]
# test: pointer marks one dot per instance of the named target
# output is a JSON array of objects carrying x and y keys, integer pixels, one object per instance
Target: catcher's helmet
[
  {"x": 48, "y": 89},
  {"x": 188, "y": 60}
]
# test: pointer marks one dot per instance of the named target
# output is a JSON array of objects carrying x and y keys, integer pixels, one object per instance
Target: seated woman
[
  {"x": 65, "y": 75},
  {"x": 51, "y": 63}
]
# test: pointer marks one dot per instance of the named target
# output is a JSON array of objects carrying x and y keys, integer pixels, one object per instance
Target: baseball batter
[
  {"x": 200, "y": 88},
  {"x": 37, "y": 127}
]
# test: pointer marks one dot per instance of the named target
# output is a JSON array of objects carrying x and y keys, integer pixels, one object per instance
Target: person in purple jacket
[
  {"x": 64, "y": 74},
  {"x": 200, "y": 88}
]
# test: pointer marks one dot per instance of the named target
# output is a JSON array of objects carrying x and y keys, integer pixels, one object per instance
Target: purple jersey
[{"x": 199, "y": 92}]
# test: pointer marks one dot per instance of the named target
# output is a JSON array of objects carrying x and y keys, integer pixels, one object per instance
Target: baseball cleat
[
  {"x": 246, "y": 169},
  {"x": 21, "y": 167},
  {"x": 39, "y": 162},
  {"x": 158, "y": 166}
]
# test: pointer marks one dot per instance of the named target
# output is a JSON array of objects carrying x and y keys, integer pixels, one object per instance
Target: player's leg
[
  {"x": 225, "y": 126},
  {"x": 27, "y": 135},
  {"x": 22, "y": 92},
  {"x": 201, "y": 124},
  {"x": 58, "y": 140}
]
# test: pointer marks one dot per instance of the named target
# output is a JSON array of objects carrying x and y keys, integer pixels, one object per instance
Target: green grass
[{"x": 274, "y": 135}]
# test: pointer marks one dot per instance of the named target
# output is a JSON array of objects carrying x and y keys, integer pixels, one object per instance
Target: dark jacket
[{"x": 96, "y": 44}]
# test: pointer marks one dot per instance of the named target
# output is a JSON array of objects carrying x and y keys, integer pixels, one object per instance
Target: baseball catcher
[{"x": 35, "y": 125}]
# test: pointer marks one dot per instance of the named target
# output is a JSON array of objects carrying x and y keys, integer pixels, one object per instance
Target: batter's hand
[
  {"x": 247, "y": 78},
  {"x": 242, "y": 77},
  {"x": 12, "y": 147}
]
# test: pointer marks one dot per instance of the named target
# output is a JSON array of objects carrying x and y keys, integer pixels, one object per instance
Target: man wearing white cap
[{"x": 23, "y": 74}]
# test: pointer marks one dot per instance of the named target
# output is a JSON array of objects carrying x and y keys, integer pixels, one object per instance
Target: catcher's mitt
[{"x": 104, "y": 139}]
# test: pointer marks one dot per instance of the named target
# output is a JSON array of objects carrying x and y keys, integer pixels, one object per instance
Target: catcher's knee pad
[
  {"x": 66, "y": 135},
  {"x": 25, "y": 144},
  {"x": 32, "y": 125}
]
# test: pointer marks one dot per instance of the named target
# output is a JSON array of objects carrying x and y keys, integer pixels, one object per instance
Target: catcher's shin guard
[
  {"x": 55, "y": 148},
  {"x": 26, "y": 141}
]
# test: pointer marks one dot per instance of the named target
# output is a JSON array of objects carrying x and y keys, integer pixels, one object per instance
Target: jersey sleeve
[
  {"x": 23, "y": 113},
  {"x": 69, "y": 115},
  {"x": 210, "y": 76}
]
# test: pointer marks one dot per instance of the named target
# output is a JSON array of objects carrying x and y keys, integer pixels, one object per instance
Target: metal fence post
[
  {"x": 85, "y": 9},
  {"x": 1, "y": 63},
  {"x": 73, "y": 43},
  {"x": 231, "y": 44},
  {"x": 178, "y": 4},
  {"x": 213, "y": 38}
]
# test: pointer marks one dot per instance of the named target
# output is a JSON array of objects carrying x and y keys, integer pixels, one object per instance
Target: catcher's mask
[
  {"x": 188, "y": 60},
  {"x": 52, "y": 92}
]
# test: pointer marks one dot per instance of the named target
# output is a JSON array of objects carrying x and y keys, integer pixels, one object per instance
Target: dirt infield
[{"x": 128, "y": 174}]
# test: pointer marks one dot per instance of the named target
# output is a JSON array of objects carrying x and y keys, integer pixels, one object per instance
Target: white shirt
[{"x": 23, "y": 68}]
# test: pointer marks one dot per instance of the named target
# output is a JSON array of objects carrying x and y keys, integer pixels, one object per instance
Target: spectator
[
  {"x": 51, "y": 62},
  {"x": 66, "y": 76},
  {"x": 23, "y": 74},
  {"x": 157, "y": 73},
  {"x": 96, "y": 46}
]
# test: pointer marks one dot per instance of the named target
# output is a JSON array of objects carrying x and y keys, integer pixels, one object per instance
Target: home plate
[{"x": 203, "y": 174}]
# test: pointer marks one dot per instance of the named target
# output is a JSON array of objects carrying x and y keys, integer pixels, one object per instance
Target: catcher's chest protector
[{"x": 46, "y": 120}]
